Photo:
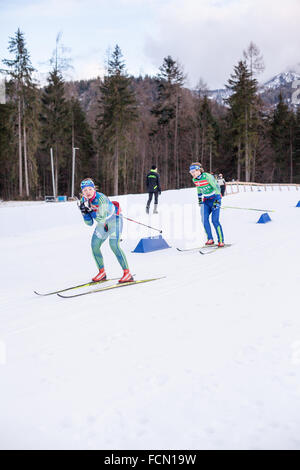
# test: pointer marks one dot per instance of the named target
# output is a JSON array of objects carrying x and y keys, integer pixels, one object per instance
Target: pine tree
[
  {"x": 255, "y": 63},
  {"x": 169, "y": 84},
  {"x": 297, "y": 145},
  {"x": 118, "y": 113},
  {"x": 206, "y": 130},
  {"x": 81, "y": 138},
  {"x": 241, "y": 103},
  {"x": 20, "y": 71},
  {"x": 8, "y": 173},
  {"x": 281, "y": 138},
  {"x": 31, "y": 135},
  {"x": 254, "y": 59},
  {"x": 56, "y": 130}
]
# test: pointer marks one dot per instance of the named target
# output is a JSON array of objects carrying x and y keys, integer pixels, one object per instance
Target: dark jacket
[{"x": 153, "y": 182}]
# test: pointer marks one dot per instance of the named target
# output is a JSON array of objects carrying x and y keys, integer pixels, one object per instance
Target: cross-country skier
[
  {"x": 96, "y": 206},
  {"x": 209, "y": 198},
  {"x": 153, "y": 187}
]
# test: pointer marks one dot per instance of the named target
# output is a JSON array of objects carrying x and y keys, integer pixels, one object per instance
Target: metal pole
[
  {"x": 73, "y": 170},
  {"x": 52, "y": 169},
  {"x": 131, "y": 220},
  {"x": 247, "y": 209}
]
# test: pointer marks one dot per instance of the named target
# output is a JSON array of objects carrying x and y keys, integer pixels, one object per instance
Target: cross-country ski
[
  {"x": 205, "y": 250},
  {"x": 195, "y": 248},
  {"x": 109, "y": 287},
  {"x": 79, "y": 286}
]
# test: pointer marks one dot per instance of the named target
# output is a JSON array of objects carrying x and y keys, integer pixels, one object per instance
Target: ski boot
[
  {"x": 210, "y": 242},
  {"x": 221, "y": 244},
  {"x": 155, "y": 211},
  {"x": 127, "y": 277},
  {"x": 101, "y": 276},
  {"x": 147, "y": 209}
]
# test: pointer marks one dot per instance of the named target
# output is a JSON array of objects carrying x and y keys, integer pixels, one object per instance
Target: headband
[
  {"x": 86, "y": 183},
  {"x": 195, "y": 167}
]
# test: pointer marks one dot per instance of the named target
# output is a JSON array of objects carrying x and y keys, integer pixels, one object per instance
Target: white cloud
[
  {"x": 208, "y": 37},
  {"x": 89, "y": 68},
  {"x": 43, "y": 8}
]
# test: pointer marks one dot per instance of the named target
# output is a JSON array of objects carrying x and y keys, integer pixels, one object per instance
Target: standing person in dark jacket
[{"x": 153, "y": 187}]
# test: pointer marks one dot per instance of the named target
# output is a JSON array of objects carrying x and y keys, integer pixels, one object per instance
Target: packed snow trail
[{"x": 207, "y": 358}]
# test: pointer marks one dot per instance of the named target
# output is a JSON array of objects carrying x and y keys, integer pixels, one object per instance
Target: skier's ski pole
[
  {"x": 247, "y": 209},
  {"x": 131, "y": 220}
]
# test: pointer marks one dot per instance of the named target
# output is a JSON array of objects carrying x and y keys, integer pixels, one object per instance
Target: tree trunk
[
  {"x": 250, "y": 142},
  {"x": 166, "y": 159},
  {"x": 143, "y": 166},
  {"x": 254, "y": 165},
  {"x": 56, "y": 170},
  {"x": 196, "y": 146},
  {"x": 97, "y": 164},
  {"x": 291, "y": 157},
  {"x": 202, "y": 147},
  {"x": 239, "y": 162},
  {"x": 247, "y": 166},
  {"x": 125, "y": 171},
  {"x": 116, "y": 172},
  {"x": 72, "y": 151},
  {"x": 25, "y": 158},
  {"x": 210, "y": 157},
  {"x": 175, "y": 145},
  {"x": 272, "y": 173},
  {"x": 20, "y": 149}
]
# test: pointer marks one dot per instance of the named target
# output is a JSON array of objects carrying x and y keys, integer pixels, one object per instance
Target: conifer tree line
[{"x": 131, "y": 123}]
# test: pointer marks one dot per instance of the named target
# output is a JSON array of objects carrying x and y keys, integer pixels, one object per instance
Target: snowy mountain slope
[
  {"x": 282, "y": 79},
  {"x": 281, "y": 82},
  {"x": 208, "y": 358}
]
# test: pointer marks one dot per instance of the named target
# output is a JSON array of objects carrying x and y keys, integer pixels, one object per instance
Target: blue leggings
[
  {"x": 115, "y": 226},
  {"x": 214, "y": 210}
]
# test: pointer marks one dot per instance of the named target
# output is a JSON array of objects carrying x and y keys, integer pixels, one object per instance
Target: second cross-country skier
[
  {"x": 209, "y": 195},
  {"x": 96, "y": 206}
]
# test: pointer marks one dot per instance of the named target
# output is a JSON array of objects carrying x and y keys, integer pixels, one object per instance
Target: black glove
[
  {"x": 85, "y": 207},
  {"x": 105, "y": 228},
  {"x": 159, "y": 192},
  {"x": 200, "y": 199}
]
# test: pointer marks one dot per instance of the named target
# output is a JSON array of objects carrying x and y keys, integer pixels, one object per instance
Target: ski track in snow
[{"x": 208, "y": 358}]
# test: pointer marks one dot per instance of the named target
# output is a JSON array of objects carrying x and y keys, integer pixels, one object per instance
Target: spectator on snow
[
  {"x": 153, "y": 187},
  {"x": 222, "y": 184}
]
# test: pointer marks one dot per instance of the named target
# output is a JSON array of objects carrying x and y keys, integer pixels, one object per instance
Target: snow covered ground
[{"x": 207, "y": 358}]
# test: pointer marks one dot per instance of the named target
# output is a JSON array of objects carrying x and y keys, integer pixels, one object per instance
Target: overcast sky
[{"x": 206, "y": 36}]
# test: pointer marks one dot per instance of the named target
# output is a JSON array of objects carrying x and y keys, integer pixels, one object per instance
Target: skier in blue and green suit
[
  {"x": 209, "y": 198},
  {"x": 109, "y": 223}
]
